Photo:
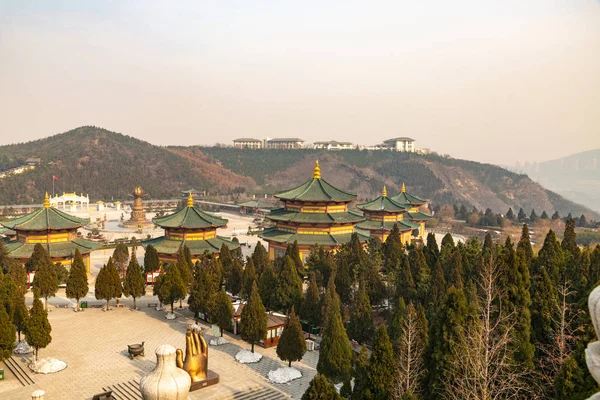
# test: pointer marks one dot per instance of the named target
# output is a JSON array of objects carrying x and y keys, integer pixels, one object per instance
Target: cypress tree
[
  {"x": 18, "y": 274},
  {"x": 321, "y": 388},
  {"x": 135, "y": 284},
  {"x": 187, "y": 256},
  {"x": 21, "y": 315},
  {"x": 311, "y": 306},
  {"x": 525, "y": 244},
  {"x": 447, "y": 240},
  {"x": 330, "y": 300},
  {"x": 335, "y": 358},
  {"x": 395, "y": 324},
  {"x": 344, "y": 278},
  {"x": 222, "y": 313},
  {"x": 151, "y": 260},
  {"x": 248, "y": 278},
  {"x": 489, "y": 249},
  {"x": 291, "y": 345},
  {"x": 77, "y": 283},
  {"x": 551, "y": 257},
  {"x": 361, "y": 325},
  {"x": 510, "y": 214},
  {"x": 45, "y": 280},
  {"x": 39, "y": 257},
  {"x": 267, "y": 285},
  {"x": 108, "y": 283},
  {"x": 594, "y": 274},
  {"x": 555, "y": 216},
  {"x": 369, "y": 273},
  {"x": 7, "y": 336},
  {"x": 8, "y": 291},
  {"x": 38, "y": 328},
  {"x": 392, "y": 250},
  {"x": 121, "y": 258},
  {"x": 226, "y": 261},
  {"x": 293, "y": 252},
  {"x": 288, "y": 291},
  {"x": 204, "y": 289},
  {"x": 382, "y": 365},
  {"x": 4, "y": 260},
  {"x": 260, "y": 258},
  {"x": 253, "y": 321},
  {"x": 234, "y": 281},
  {"x": 431, "y": 250},
  {"x": 405, "y": 285},
  {"x": 522, "y": 217},
  {"x": 185, "y": 271},
  {"x": 533, "y": 216},
  {"x": 544, "y": 215},
  {"x": 543, "y": 295},
  {"x": 172, "y": 287},
  {"x": 421, "y": 274},
  {"x": 362, "y": 380},
  {"x": 438, "y": 288},
  {"x": 569, "y": 242}
]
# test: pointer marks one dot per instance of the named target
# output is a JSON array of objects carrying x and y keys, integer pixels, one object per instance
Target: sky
[{"x": 495, "y": 81}]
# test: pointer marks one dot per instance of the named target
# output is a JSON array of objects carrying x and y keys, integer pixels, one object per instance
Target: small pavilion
[
  {"x": 55, "y": 230},
  {"x": 414, "y": 214},
  {"x": 191, "y": 227},
  {"x": 71, "y": 202}
]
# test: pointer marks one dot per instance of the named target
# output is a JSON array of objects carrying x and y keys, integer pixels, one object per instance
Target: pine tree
[
  {"x": 226, "y": 262},
  {"x": 260, "y": 258},
  {"x": 489, "y": 249},
  {"x": 108, "y": 283},
  {"x": 293, "y": 252},
  {"x": 569, "y": 242},
  {"x": 16, "y": 271},
  {"x": 185, "y": 271},
  {"x": 405, "y": 285},
  {"x": 362, "y": 379},
  {"x": 21, "y": 315},
  {"x": 525, "y": 244},
  {"x": 447, "y": 240},
  {"x": 344, "y": 278},
  {"x": 551, "y": 256},
  {"x": 253, "y": 321},
  {"x": 121, "y": 258},
  {"x": 311, "y": 306},
  {"x": 543, "y": 295},
  {"x": 555, "y": 216},
  {"x": 187, "y": 256},
  {"x": 288, "y": 291},
  {"x": 248, "y": 278},
  {"x": 510, "y": 214},
  {"x": 396, "y": 322},
  {"x": 234, "y": 281},
  {"x": 392, "y": 250},
  {"x": 533, "y": 216},
  {"x": 134, "y": 284},
  {"x": 8, "y": 291},
  {"x": 431, "y": 250},
  {"x": 45, "y": 280},
  {"x": 361, "y": 325},
  {"x": 544, "y": 215},
  {"x": 38, "y": 328},
  {"x": 320, "y": 388},
  {"x": 151, "y": 260},
  {"x": 222, "y": 313},
  {"x": 267, "y": 285},
  {"x": 382, "y": 365},
  {"x": 77, "y": 283},
  {"x": 438, "y": 288},
  {"x": 204, "y": 290},
  {"x": 39, "y": 257},
  {"x": 7, "y": 336},
  {"x": 421, "y": 274},
  {"x": 521, "y": 217},
  {"x": 291, "y": 345},
  {"x": 172, "y": 287}
]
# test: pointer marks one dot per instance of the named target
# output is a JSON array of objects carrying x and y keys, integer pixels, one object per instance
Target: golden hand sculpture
[{"x": 196, "y": 355}]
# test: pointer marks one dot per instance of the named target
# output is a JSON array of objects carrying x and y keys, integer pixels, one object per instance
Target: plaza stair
[
  {"x": 257, "y": 393},
  {"x": 19, "y": 372},
  {"x": 125, "y": 391}
]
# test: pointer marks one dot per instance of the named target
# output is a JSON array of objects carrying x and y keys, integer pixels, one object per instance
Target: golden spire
[
  {"x": 317, "y": 171},
  {"x": 403, "y": 188},
  {"x": 384, "y": 191},
  {"x": 190, "y": 201},
  {"x": 46, "y": 201}
]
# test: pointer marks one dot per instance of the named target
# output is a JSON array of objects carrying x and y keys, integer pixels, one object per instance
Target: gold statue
[{"x": 196, "y": 355}]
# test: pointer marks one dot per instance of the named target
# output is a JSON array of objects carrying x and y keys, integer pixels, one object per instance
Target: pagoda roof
[
  {"x": 284, "y": 215},
  {"x": 190, "y": 217},
  {"x": 45, "y": 219},
  {"x": 373, "y": 225},
  {"x": 20, "y": 249},
  {"x": 419, "y": 216},
  {"x": 383, "y": 203},
  {"x": 171, "y": 246},
  {"x": 406, "y": 198},
  {"x": 256, "y": 204},
  {"x": 279, "y": 236},
  {"x": 7, "y": 232},
  {"x": 318, "y": 190}
]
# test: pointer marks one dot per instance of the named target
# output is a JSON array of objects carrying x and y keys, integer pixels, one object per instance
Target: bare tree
[
  {"x": 483, "y": 366},
  {"x": 412, "y": 344}
]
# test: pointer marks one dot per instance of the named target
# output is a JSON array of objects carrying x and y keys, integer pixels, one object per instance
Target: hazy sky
[{"x": 498, "y": 81}]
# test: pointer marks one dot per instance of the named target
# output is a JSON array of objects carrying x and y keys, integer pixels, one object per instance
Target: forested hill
[{"x": 108, "y": 165}]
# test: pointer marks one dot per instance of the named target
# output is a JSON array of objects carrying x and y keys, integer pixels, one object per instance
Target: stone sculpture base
[{"x": 212, "y": 378}]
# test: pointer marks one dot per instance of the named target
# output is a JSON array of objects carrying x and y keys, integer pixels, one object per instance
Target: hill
[{"x": 107, "y": 165}]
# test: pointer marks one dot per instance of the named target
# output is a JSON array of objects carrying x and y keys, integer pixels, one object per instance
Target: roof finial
[
  {"x": 317, "y": 171},
  {"x": 384, "y": 191},
  {"x": 46, "y": 201},
  {"x": 403, "y": 188},
  {"x": 190, "y": 200}
]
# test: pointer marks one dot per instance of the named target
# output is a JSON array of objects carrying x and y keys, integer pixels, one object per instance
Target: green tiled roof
[
  {"x": 7, "y": 232},
  {"x": 383, "y": 203},
  {"x": 170, "y": 246},
  {"x": 191, "y": 218},
  {"x": 419, "y": 216},
  {"x": 281, "y": 214},
  {"x": 278, "y": 236},
  {"x": 44, "y": 219},
  {"x": 256, "y": 204},
  {"x": 387, "y": 225},
  {"x": 21, "y": 249},
  {"x": 407, "y": 198}
]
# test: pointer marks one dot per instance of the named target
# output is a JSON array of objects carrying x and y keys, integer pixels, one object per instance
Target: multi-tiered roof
[
  {"x": 315, "y": 212},
  {"x": 414, "y": 203}
]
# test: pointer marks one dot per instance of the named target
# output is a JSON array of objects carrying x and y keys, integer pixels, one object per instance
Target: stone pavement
[{"x": 94, "y": 345}]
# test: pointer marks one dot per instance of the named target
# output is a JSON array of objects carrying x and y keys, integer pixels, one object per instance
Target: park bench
[
  {"x": 152, "y": 304},
  {"x": 103, "y": 396}
]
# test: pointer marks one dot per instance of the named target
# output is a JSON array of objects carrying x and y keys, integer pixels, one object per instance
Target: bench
[
  {"x": 152, "y": 304},
  {"x": 103, "y": 396}
]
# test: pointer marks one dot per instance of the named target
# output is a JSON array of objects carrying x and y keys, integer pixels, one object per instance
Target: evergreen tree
[
  {"x": 187, "y": 256},
  {"x": 172, "y": 287},
  {"x": 311, "y": 306},
  {"x": 405, "y": 285},
  {"x": 108, "y": 283},
  {"x": 525, "y": 245},
  {"x": 382, "y": 365},
  {"x": 222, "y": 313},
  {"x": 234, "y": 281},
  {"x": 121, "y": 258},
  {"x": 544, "y": 215},
  {"x": 260, "y": 258},
  {"x": 77, "y": 283},
  {"x": 293, "y": 252},
  {"x": 344, "y": 278},
  {"x": 543, "y": 295},
  {"x": 39, "y": 257},
  {"x": 291, "y": 345},
  {"x": 447, "y": 240},
  {"x": 522, "y": 217},
  {"x": 438, "y": 288},
  {"x": 134, "y": 284},
  {"x": 16, "y": 271},
  {"x": 151, "y": 260},
  {"x": 38, "y": 328},
  {"x": 569, "y": 242},
  {"x": 551, "y": 256},
  {"x": 8, "y": 291},
  {"x": 288, "y": 291},
  {"x": 320, "y": 388},
  {"x": 369, "y": 273},
  {"x": 582, "y": 222},
  {"x": 396, "y": 322},
  {"x": 533, "y": 216},
  {"x": 7, "y": 336},
  {"x": 45, "y": 280},
  {"x": 21, "y": 315},
  {"x": 510, "y": 214},
  {"x": 185, "y": 271},
  {"x": 555, "y": 216},
  {"x": 392, "y": 251},
  {"x": 204, "y": 289},
  {"x": 431, "y": 250},
  {"x": 361, "y": 325},
  {"x": 267, "y": 285},
  {"x": 362, "y": 379},
  {"x": 253, "y": 321},
  {"x": 421, "y": 274},
  {"x": 226, "y": 262},
  {"x": 248, "y": 278},
  {"x": 489, "y": 249},
  {"x": 4, "y": 260}
]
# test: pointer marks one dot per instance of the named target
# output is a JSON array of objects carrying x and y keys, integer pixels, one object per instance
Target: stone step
[
  {"x": 257, "y": 393},
  {"x": 125, "y": 391},
  {"x": 19, "y": 372}
]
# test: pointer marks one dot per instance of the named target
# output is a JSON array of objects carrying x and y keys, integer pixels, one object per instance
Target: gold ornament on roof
[
  {"x": 46, "y": 201},
  {"x": 403, "y": 188},
  {"x": 190, "y": 200},
  {"x": 317, "y": 171},
  {"x": 384, "y": 191}
]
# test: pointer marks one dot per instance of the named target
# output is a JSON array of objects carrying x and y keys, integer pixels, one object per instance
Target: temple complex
[
  {"x": 55, "y": 230},
  {"x": 192, "y": 227},
  {"x": 313, "y": 213},
  {"x": 138, "y": 215},
  {"x": 382, "y": 214},
  {"x": 414, "y": 214}
]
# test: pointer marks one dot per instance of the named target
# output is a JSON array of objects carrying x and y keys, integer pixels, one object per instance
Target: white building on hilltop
[
  {"x": 248, "y": 143},
  {"x": 333, "y": 145},
  {"x": 405, "y": 144}
]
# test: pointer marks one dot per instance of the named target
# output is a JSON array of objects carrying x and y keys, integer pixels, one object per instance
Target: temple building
[
  {"x": 192, "y": 227},
  {"x": 413, "y": 214},
  {"x": 313, "y": 213},
  {"x": 55, "y": 230},
  {"x": 382, "y": 214}
]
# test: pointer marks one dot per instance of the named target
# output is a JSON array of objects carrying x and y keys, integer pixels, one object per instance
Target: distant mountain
[{"x": 108, "y": 165}]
